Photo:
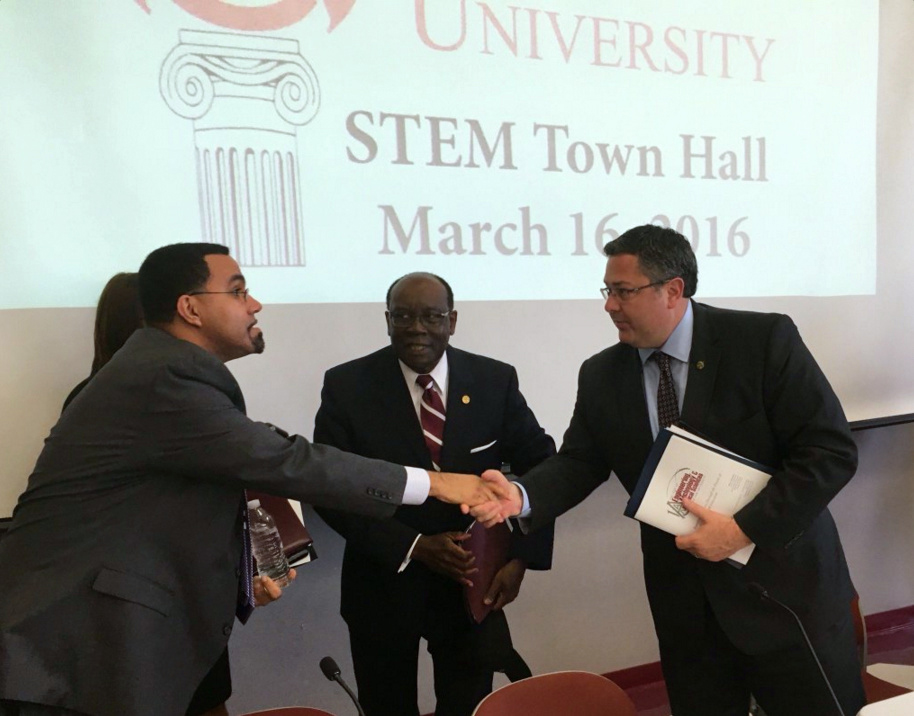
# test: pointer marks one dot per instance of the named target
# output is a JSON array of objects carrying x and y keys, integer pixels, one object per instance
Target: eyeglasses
[
  {"x": 402, "y": 319},
  {"x": 240, "y": 293},
  {"x": 624, "y": 294}
]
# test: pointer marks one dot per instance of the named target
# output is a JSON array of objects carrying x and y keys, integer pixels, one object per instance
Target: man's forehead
[
  {"x": 419, "y": 289},
  {"x": 622, "y": 267},
  {"x": 223, "y": 269}
]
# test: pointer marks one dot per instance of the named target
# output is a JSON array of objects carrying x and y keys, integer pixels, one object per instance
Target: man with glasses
[
  {"x": 127, "y": 559},
  {"x": 746, "y": 381},
  {"x": 421, "y": 402}
]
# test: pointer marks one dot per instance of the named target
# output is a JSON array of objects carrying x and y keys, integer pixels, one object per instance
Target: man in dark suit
[
  {"x": 121, "y": 572},
  {"x": 402, "y": 577},
  {"x": 747, "y": 381}
]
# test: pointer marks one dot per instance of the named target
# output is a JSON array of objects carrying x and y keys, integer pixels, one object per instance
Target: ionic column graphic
[{"x": 246, "y": 96}]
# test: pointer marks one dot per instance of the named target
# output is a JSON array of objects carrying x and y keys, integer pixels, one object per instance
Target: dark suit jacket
[
  {"x": 119, "y": 575},
  {"x": 754, "y": 388},
  {"x": 366, "y": 408}
]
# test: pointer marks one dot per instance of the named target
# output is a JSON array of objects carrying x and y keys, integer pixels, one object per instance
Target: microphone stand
[
  {"x": 762, "y": 593},
  {"x": 332, "y": 671}
]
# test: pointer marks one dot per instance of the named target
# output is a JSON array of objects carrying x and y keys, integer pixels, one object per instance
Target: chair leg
[{"x": 516, "y": 668}]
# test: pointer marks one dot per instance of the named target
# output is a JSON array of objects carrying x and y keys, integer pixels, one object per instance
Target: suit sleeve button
[{"x": 227, "y": 629}]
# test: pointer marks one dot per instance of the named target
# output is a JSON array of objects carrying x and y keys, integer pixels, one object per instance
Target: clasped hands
[{"x": 490, "y": 499}]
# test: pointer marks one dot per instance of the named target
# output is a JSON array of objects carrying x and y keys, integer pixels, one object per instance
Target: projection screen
[{"x": 336, "y": 145}]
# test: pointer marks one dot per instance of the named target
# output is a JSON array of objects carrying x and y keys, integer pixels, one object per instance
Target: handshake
[{"x": 490, "y": 499}]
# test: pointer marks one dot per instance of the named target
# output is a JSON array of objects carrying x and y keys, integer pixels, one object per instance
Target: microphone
[
  {"x": 762, "y": 593},
  {"x": 332, "y": 672}
]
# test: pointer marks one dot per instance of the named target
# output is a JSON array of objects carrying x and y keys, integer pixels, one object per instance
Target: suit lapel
[
  {"x": 704, "y": 360},
  {"x": 631, "y": 395},
  {"x": 399, "y": 413},
  {"x": 460, "y": 388}
]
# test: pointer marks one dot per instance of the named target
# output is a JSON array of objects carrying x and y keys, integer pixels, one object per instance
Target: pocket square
[{"x": 483, "y": 447}]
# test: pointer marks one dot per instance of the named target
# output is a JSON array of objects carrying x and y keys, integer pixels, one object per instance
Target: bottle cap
[{"x": 253, "y": 504}]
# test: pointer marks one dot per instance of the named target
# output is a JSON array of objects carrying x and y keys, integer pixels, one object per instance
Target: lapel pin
[
  {"x": 699, "y": 365},
  {"x": 465, "y": 400}
]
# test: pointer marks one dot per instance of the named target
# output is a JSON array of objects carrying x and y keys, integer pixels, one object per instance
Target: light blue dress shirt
[{"x": 677, "y": 347}]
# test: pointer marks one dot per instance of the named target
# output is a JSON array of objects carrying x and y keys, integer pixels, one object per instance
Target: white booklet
[{"x": 682, "y": 464}]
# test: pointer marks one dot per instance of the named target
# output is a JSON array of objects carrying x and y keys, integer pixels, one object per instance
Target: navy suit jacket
[
  {"x": 366, "y": 408},
  {"x": 754, "y": 388}
]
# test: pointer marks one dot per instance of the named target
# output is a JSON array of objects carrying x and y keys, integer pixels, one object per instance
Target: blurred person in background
[{"x": 118, "y": 315}]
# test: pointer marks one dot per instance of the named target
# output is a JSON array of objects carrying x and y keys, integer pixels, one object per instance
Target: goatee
[{"x": 259, "y": 343}]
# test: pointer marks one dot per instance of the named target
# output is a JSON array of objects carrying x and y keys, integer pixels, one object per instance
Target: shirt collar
[
  {"x": 438, "y": 373},
  {"x": 679, "y": 344}
]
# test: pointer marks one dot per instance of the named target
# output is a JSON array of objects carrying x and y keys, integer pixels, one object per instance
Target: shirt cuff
[
  {"x": 418, "y": 485},
  {"x": 522, "y": 520},
  {"x": 409, "y": 555},
  {"x": 525, "y": 511}
]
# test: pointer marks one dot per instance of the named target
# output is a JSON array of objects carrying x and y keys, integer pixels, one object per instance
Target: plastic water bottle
[{"x": 266, "y": 545}]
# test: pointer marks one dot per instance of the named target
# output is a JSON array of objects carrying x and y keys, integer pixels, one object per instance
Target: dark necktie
[
  {"x": 246, "y": 586},
  {"x": 667, "y": 404},
  {"x": 431, "y": 415}
]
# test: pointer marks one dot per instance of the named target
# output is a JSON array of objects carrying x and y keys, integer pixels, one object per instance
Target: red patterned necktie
[
  {"x": 431, "y": 415},
  {"x": 667, "y": 404}
]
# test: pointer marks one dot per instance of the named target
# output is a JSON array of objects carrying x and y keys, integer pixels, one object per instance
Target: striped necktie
[
  {"x": 431, "y": 415},
  {"x": 667, "y": 404}
]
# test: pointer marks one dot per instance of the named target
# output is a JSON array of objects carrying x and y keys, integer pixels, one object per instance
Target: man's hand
[
  {"x": 458, "y": 489},
  {"x": 506, "y": 584},
  {"x": 442, "y": 553},
  {"x": 507, "y": 500},
  {"x": 266, "y": 590},
  {"x": 716, "y": 538}
]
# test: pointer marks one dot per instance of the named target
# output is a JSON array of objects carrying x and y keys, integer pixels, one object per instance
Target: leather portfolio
[{"x": 491, "y": 548}]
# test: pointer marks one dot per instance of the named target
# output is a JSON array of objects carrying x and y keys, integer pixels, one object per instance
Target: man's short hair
[
  {"x": 662, "y": 254},
  {"x": 170, "y": 272},
  {"x": 425, "y": 274}
]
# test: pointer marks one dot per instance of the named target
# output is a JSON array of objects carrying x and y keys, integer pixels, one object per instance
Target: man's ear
[
  {"x": 387, "y": 322},
  {"x": 186, "y": 309},
  {"x": 453, "y": 321},
  {"x": 675, "y": 290}
]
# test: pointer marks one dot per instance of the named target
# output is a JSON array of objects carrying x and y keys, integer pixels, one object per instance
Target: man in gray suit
[{"x": 121, "y": 572}]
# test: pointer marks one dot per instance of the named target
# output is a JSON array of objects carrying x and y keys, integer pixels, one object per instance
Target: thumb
[
  {"x": 700, "y": 512},
  {"x": 495, "y": 480},
  {"x": 494, "y": 590}
]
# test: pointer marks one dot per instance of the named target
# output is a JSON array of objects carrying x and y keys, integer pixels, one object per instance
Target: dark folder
[
  {"x": 296, "y": 540},
  {"x": 490, "y": 547}
]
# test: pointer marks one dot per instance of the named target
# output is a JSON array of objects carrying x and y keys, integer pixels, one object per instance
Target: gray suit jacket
[
  {"x": 754, "y": 388},
  {"x": 119, "y": 575}
]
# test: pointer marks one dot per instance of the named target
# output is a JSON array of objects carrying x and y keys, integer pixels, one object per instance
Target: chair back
[
  {"x": 564, "y": 692},
  {"x": 876, "y": 689}
]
